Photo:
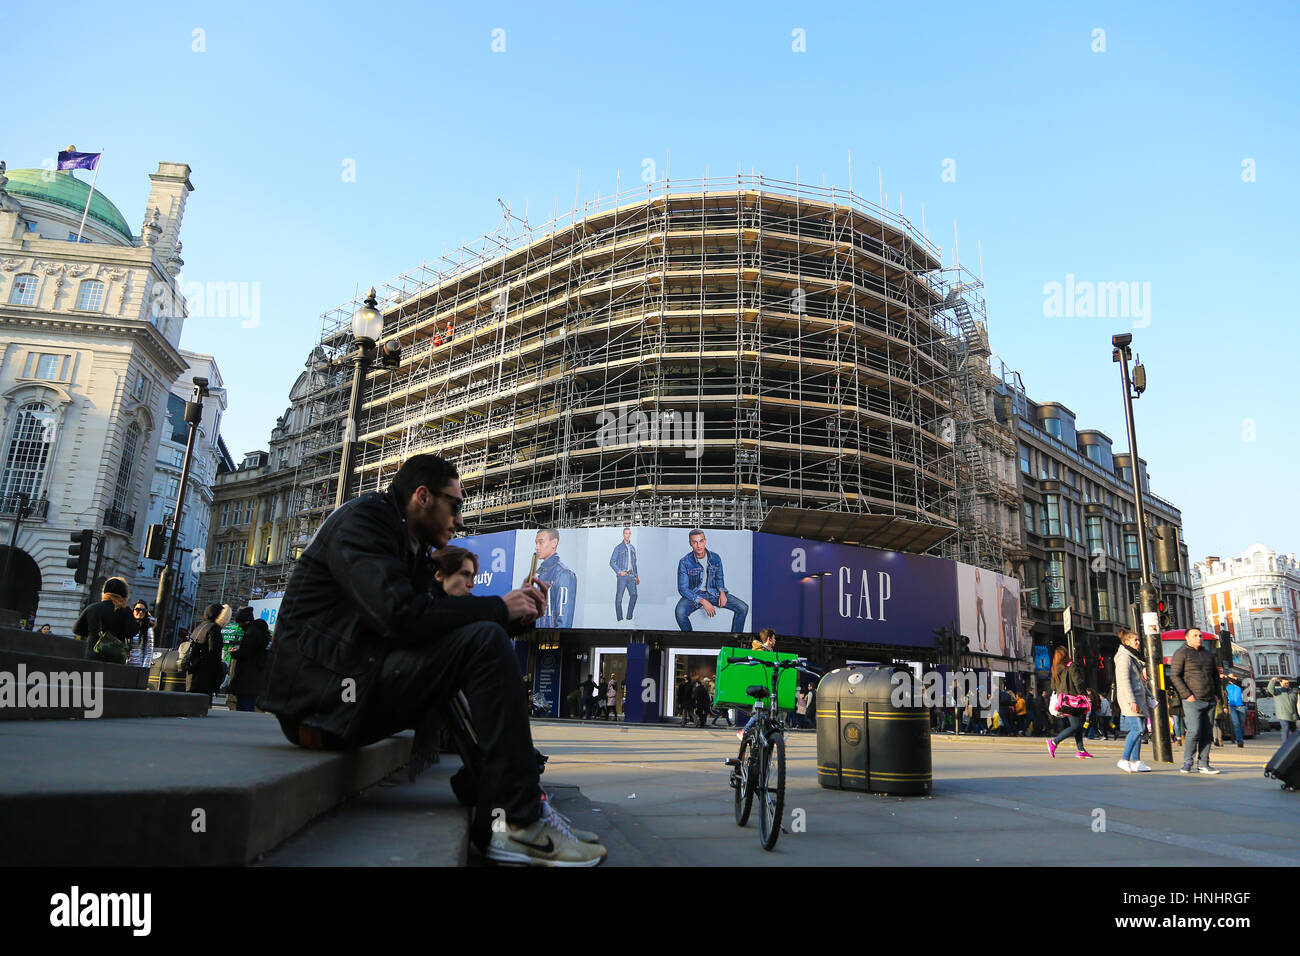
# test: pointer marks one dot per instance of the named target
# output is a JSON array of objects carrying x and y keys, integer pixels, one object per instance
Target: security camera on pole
[{"x": 1149, "y": 605}]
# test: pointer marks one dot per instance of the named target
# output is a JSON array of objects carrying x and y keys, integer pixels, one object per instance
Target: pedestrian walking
[
  {"x": 1071, "y": 702},
  {"x": 801, "y": 700},
  {"x": 248, "y": 660},
  {"x": 1284, "y": 696},
  {"x": 1135, "y": 699},
  {"x": 1196, "y": 678},
  {"x": 590, "y": 690},
  {"x": 201, "y": 661},
  {"x": 701, "y": 703},
  {"x": 1107, "y": 727},
  {"x": 1237, "y": 709},
  {"x": 611, "y": 698},
  {"x": 1093, "y": 720}
]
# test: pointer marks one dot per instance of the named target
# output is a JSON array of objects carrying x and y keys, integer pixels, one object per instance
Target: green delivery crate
[{"x": 729, "y": 689}]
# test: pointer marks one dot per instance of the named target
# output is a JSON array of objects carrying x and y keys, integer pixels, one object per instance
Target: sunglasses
[{"x": 456, "y": 503}]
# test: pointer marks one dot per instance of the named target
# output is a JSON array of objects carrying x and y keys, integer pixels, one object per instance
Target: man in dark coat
[
  {"x": 248, "y": 660},
  {"x": 701, "y": 702},
  {"x": 1194, "y": 672},
  {"x": 364, "y": 649},
  {"x": 588, "y": 701}
]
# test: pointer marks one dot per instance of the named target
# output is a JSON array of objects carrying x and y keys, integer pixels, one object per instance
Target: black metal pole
[
  {"x": 193, "y": 415},
  {"x": 1161, "y": 744},
  {"x": 19, "y": 514},
  {"x": 359, "y": 363}
]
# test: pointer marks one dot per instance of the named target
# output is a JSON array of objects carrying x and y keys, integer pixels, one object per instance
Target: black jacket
[
  {"x": 248, "y": 660},
  {"x": 358, "y": 592},
  {"x": 206, "y": 677},
  {"x": 103, "y": 616},
  {"x": 1195, "y": 672}
]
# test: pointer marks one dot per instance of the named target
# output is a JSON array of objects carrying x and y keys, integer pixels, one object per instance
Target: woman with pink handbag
[{"x": 1069, "y": 702}]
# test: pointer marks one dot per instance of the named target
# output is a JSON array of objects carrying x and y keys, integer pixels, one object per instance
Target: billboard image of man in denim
[
  {"x": 623, "y": 564},
  {"x": 563, "y": 595},
  {"x": 701, "y": 586}
]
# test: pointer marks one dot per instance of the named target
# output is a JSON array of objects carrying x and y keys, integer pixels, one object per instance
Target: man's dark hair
[
  {"x": 429, "y": 470},
  {"x": 694, "y": 532},
  {"x": 550, "y": 533}
]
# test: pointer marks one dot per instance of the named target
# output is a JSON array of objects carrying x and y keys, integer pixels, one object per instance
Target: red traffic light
[{"x": 1162, "y": 607}]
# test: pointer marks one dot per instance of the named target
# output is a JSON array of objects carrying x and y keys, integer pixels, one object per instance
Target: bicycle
[{"x": 759, "y": 768}]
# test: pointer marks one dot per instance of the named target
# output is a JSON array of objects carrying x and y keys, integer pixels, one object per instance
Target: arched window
[
  {"x": 23, "y": 291},
  {"x": 29, "y": 451},
  {"x": 122, "y": 491},
  {"x": 90, "y": 295}
]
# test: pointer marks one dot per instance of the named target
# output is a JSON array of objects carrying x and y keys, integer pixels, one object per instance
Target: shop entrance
[
  {"x": 695, "y": 664},
  {"x": 607, "y": 663}
]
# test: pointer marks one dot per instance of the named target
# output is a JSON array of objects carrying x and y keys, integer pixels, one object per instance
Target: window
[
  {"x": 90, "y": 295},
  {"x": 1056, "y": 582},
  {"x": 1102, "y": 601},
  {"x": 28, "y": 452},
  {"x": 141, "y": 387},
  {"x": 1053, "y": 524},
  {"x": 176, "y": 419},
  {"x": 219, "y": 560},
  {"x": 1131, "y": 552},
  {"x": 1096, "y": 544},
  {"x": 48, "y": 367},
  {"x": 225, "y": 515},
  {"x": 266, "y": 548},
  {"x": 170, "y": 488},
  {"x": 125, "y": 467},
  {"x": 1029, "y": 518},
  {"x": 1052, "y": 426},
  {"x": 23, "y": 291},
  {"x": 1024, "y": 460}
]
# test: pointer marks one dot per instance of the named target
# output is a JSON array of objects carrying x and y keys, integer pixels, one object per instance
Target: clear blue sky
[{"x": 1115, "y": 166}]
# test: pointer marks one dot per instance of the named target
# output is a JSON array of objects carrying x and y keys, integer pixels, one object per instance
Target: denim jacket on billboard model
[
  {"x": 624, "y": 558},
  {"x": 695, "y": 582}
]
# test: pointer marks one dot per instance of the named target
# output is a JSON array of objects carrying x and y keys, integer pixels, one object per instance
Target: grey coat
[
  {"x": 1284, "y": 700},
  {"x": 1130, "y": 688}
]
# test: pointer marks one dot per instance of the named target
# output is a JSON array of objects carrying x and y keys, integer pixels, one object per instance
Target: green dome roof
[{"x": 66, "y": 190}]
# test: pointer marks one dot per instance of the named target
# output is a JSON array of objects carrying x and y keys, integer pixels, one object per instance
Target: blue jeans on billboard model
[
  {"x": 1238, "y": 723},
  {"x": 738, "y": 608},
  {"x": 1133, "y": 742},
  {"x": 1199, "y": 715},
  {"x": 626, "y": 582}
]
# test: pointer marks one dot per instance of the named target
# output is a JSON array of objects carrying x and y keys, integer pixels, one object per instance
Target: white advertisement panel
[{"x": 989, "y": 612}]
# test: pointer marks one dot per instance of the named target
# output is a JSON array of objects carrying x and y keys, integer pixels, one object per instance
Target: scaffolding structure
[{"x": 702, "y": 353}]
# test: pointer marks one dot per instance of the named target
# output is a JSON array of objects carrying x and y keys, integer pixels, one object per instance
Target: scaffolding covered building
[{"x": 742, "y": 353}]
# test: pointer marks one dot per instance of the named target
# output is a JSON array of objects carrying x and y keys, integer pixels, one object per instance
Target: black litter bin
[
  {"x": 864, "y": 741},
  {"x": 898, "y": 738},
  {"x": 165, "y": 673},
  {"x": 842, "y": 729}
]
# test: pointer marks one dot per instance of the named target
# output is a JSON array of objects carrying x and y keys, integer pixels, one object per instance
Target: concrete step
[
  {"x": 46, "y": 645},
  {"x": 115, "y": 675},
  {"x": 396, "y": 823},
  {"x": 169, "y": 792},
  {"x": 61, "y": 704}
]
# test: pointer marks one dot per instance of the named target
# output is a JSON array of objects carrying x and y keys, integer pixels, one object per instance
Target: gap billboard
[{"x": 725, "y": 581}]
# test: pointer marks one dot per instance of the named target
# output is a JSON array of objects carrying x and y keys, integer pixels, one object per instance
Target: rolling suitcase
[{"x": 1285, "y": 764}]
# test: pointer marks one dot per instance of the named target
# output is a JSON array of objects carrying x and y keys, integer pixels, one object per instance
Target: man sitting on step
[{"x": 364, "y": 649}]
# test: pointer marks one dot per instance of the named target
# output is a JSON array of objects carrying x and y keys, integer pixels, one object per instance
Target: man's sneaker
[
  {"x": 1139, "y": 767},
  {"x": 1124, "y": 765},
  {"x": 1186, "y": 768},
  {"x": 543, "y": 844},
  {"x": 1083, "y": 755},
  {"x": 558, "y": 820},
  {"x": 1208, "y": 769},
  {"x": 1051, "y": 748}
]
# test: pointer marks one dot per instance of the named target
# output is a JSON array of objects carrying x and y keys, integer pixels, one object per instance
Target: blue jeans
[
  {"x": 1199, "y": 715},
  {"x": 1238, "y": 722},
  {"x": 1135, "y": 726},
  {"x": 738, "y": 608},
  {"x": 1073, "y": 729},
  {"x": 626, "y": 582}
]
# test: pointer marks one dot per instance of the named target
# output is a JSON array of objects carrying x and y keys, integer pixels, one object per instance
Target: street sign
[
  {"x": 1151, "y": 622},
  {"x": 1068, "y": 622},
  {"x": 68, "y": 585}
]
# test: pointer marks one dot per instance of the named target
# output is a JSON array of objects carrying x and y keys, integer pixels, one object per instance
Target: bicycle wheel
[
  {"x": 771, "y": 791},
  {"x": 743, "y": 782}
]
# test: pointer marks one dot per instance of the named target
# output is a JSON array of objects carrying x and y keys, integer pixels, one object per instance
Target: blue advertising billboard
[
  {"x": 496, "y": 560},
  {"x": 867, "y": 596}
]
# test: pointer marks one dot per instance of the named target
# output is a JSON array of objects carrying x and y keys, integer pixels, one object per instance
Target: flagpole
[{"x": 94, "y": 179}]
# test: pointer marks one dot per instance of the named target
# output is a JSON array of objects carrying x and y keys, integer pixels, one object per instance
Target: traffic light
[
  {"x": 155, "y": 542},
  {"x": 80, "y": 554},
  {"x": 963, "y": 644},
  {"x": 943, "y": 643}
]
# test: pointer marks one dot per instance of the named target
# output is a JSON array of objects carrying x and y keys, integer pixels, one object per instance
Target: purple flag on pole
[{"x": 70, "y": 160}]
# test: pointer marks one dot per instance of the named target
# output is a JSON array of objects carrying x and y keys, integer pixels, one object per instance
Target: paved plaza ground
[{"x": 658, "y": 796}]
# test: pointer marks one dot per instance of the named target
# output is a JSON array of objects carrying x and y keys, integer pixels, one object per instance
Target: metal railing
[{"x": 35, "y": 511}]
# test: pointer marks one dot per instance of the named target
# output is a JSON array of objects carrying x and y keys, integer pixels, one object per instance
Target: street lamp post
[
  {"x": 193, "y": 416},
  {"x": 19, "y": 514},
  {"x": 1150, "y": 615},
  {"x": 367, "y": 325}
]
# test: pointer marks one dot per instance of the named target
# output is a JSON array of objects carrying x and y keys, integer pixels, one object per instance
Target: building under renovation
[{"x": 741, "y": 353}]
